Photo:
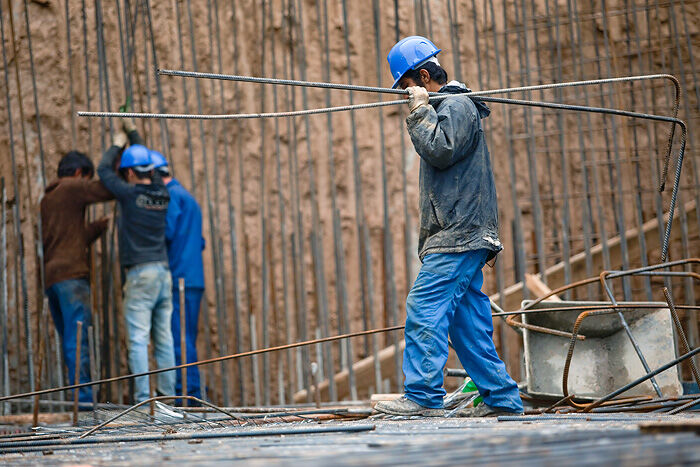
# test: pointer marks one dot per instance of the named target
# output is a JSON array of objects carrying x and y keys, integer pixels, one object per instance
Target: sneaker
[
  {"x": 483, "y": 410},
  {"x": 405, "y": 406}
]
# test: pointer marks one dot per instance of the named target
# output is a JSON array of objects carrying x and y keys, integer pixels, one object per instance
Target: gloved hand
[
  {"x": 120, "y": 139},
  {"x": 417, "y": 96},
  {"x": 127, "y": 122}
]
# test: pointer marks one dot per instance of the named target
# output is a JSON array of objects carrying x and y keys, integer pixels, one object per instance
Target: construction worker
[
  {"x": 66, "y": 238},
  {"x": 183, "y": 237},
  {"x": 143, "y": 202},
  {"x": 458, "y": 235}
]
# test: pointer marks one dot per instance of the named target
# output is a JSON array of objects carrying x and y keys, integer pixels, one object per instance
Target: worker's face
[{"x": 407, "y": 82}]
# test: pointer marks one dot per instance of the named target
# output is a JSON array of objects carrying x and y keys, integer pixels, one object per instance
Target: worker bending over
[
  {"x": 183, "y": 237},
  {"x": 143, "y": 202},
  {"x": 66, "y": 238},
  {"x": 458, "y": 235}
]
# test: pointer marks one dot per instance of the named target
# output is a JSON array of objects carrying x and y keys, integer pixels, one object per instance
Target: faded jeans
[{"x": 148, "y": 309}]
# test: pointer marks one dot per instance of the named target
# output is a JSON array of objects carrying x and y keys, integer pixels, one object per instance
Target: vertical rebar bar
[
  {"x": 316, "y": 245},
  {"x": 76, "y": 372},
  {"x": 183, "y": 337},
  {"x": 5, "y": 364},
  {"x": 390, "y": 299},
  {"x": 283, "y": 233},
  {"x": 232, "y": 214},
  {"x": 69, "y": 52}
]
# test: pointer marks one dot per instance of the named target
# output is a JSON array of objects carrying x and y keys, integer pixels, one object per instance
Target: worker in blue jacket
[
  {"x": 458, "y": 235},
  {"x": 183, "y": 238}
]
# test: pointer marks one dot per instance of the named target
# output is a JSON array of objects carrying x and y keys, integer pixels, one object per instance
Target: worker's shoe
[
  {"x": 406, "y": 407},
  {"x": 483, "y": 410}
]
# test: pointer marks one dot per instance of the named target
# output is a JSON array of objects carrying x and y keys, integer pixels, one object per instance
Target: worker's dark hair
[
  {"x": 73, "y": 161},
  {"x": 437, "y": 73},
  {"x": 140, "y": 174}
]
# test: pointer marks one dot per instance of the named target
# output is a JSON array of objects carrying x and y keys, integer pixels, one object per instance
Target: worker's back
[
  {"x": 65, "y": 234},
  {"x": 184, "y": 236}
]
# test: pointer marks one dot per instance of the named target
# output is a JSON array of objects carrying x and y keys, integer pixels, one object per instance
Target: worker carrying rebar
[
  {"x": 185, "y": 243},
  {"x": 143, "y": 203},
  {"x": 66, "y": 238},
  {"x": 458, "y": 235}
]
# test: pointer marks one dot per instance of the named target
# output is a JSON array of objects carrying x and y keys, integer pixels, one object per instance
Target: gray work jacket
[{"x": 458, "y": 205}]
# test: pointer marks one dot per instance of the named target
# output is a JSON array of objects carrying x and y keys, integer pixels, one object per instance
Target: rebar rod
[
  {"x": 298, "y": 234},
  {"x": 69, "y": 443},
  {"x": 390, "y": 299},
  {"x": 317, "y": 251},
  {"x": 183, "y": 397},
  {"x": 640, "y": 380},
  {"x": 238, "y": 312},
  {"x": 205, "y": 362},
  {"x": 69, "y": 51},
  {"x": 360, "y": 88},
  {"x": 18, "y": 196},
  {"x": 5, "y": 363},
  {"x": 628, "y": 331}
]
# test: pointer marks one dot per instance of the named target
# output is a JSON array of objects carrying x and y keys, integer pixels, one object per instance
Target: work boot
[
  {"x": 406, "y": 407},
  {"x": 483, "y": 410}
]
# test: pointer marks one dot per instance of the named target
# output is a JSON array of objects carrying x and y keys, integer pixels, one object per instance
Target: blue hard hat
[
  {"x": 409, "y": 53},
  {"x": 137, "y": 157},
  {"x": 158, "y": 159}
]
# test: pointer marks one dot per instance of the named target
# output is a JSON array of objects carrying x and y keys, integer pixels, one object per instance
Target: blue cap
[
  {"x": 409, "y": 53},
  {"x": 136, "y": 157},
  {"x": 158, "y": 159}
]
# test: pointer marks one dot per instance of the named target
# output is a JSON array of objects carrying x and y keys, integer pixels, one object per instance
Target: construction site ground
[{"x": 551, "y": 439}]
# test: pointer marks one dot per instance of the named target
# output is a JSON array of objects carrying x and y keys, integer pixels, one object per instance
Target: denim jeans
[
  {"x": 148, "y": 308},
  {"x": 69, "y": 302},
  {"x": 446, "y": 299}
]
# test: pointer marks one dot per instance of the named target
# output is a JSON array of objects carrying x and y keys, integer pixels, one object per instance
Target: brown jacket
[{"x": 65, "y": 233}]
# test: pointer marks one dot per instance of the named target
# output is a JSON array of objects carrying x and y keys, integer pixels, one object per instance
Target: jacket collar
[{"x": 455, "y": 87}]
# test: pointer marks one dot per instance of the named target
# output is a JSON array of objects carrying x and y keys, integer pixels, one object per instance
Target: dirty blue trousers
[
  {"x": 69, "y": 302},
  {"x": 148, "y": 308},
  {"x": 446, "y": 299},
  {"x": 193, "y": 299}
]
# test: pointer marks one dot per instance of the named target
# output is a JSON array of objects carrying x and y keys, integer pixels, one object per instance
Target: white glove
[
  {"x": 120, "y": 139},
  {"x": 128, "y": 124},
  {"x": 417, "y": 96}
]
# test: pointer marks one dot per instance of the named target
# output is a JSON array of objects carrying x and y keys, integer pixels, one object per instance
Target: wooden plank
[{"x": 539, "y": 289}]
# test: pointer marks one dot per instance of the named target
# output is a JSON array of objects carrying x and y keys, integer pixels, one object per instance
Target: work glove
[
  {"x": 127, "y": 122},
  {"x": 417, "y": 96},
  {"x": 120, "y": 139}
]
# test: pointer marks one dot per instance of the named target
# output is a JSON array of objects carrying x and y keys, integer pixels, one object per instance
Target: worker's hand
[
  {"x": 120, "y": 139},
  {"x": 417, "y": 96},
  {"x": 128, "y": 124}
]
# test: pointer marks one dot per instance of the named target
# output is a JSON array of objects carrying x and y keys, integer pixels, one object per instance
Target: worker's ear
[{"x": 424, "y": 76}]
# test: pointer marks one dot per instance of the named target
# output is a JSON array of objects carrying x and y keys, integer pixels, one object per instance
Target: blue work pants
[
  {"x": 446, "y": 299},
  {"x": 69, "y": 302},
  {"x": 148, "y": 308},
  {"x": 193, "y": 299}
]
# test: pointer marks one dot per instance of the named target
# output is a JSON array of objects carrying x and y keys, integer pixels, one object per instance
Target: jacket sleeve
[
  {"x": 95, "y": 229},
  {"x": 93, "y": 191},
  {"x": 442, "y": 138},
  {"x": 109, "y": 177},
  {"x": 135, "y": 138},
  {"x": 171, "y": 219}
]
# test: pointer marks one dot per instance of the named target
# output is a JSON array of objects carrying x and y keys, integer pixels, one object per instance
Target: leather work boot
[
  {"x": 405, "y": 406},
  {"x": 483, "y": 410}
]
